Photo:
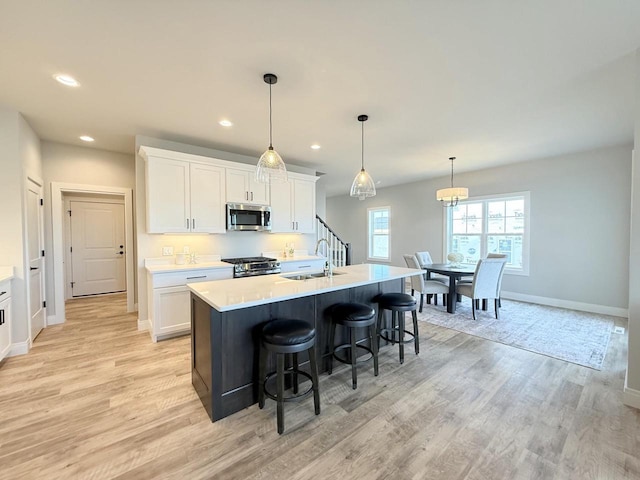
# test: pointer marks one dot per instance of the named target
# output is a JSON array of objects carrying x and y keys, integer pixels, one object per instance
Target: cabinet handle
[
  {"x": 296, "y": 225},
  {"x": 193, "y": 224},
  {"x": 246, "y": 195},
  {"x": 187, "y": 224},
  {"x": 293, "y": 225},
  {"x": 2, "y": 316},
  {"x": 2, "y": 293},
  {"x": 304, "y": 266},
  {"x": 252, "y": 196},
  {"x": 193, "y": 278}
]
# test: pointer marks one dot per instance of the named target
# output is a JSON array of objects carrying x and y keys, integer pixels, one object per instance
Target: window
[
  {"x": 378, "y": 233},
  {"x": 500, "y": 224}
]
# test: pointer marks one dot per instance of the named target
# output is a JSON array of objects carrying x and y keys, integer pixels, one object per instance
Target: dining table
[{"x": 454, "y": 272}]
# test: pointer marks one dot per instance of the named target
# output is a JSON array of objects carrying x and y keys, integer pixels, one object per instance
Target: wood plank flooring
[{"x": 96, "y": 399}]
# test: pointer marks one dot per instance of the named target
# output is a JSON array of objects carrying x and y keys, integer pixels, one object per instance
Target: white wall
[
  {"x": 230, "y": 244},
  {"x": 80, "y": 165},
  {"x": 579, "y": 222},
  {"x": 632, "y": 397},
  {"x": 19, "y": 157}
]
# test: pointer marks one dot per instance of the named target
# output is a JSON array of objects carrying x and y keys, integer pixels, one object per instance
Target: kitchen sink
[{"x": 307, "y": 276}]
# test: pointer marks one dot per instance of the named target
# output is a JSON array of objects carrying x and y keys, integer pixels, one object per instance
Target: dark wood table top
[{"x": 448, "y": 269}]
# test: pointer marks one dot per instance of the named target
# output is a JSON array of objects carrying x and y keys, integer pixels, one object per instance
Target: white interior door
[
  {"x": 97, "y": 248},
  {"x": 35, "y": 250}
]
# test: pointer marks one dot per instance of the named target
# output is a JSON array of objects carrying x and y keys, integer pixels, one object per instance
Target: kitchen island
[{"x": 227, "y": 315}]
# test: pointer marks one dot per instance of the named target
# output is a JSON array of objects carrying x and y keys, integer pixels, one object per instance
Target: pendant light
[
  {"x": 363, "y": 186},
  {"x": 271, "y": 168},
  {"x": 450, "y": 196}
]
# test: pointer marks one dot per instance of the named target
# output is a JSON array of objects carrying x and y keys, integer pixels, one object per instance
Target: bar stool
[
  {"x": 397, "y": 303},
  {"x": 353, "y": 316},
  {"x": 283, "y": 336}
]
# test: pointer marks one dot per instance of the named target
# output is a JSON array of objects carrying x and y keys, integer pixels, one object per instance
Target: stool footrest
[
  {"x": 348, "y": 346},
  {"x": 290, "y": 398},
  {"x": 394, "y": 340}
]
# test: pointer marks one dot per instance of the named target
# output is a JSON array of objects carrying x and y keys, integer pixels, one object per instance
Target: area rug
[{"x": 577, "y": 337}]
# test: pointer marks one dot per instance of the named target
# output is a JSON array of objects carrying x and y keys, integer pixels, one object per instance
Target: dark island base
[{"x": 224, "y": 345}]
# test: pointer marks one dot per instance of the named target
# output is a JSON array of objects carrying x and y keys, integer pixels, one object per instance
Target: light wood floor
[{"x": 96, "y": 399}]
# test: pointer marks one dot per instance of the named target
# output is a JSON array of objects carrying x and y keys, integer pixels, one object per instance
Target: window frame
[
  {"x": 485, "y": 199},
  {"x": 370, "y": 210}
]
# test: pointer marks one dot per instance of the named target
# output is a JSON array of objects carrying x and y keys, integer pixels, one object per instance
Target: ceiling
[{"x": 490, "y": 82}]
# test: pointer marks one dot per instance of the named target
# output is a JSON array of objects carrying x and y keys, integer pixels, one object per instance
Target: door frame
[
  {"x": 57, "y": 217},
  {"x": 39, "y": 182}
]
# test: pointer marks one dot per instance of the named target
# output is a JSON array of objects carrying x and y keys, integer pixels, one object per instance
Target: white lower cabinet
[
  {"x": 169, "y": 299},
  {"x": 5, "y": 318},
  {"x": 311, "y": 265}
]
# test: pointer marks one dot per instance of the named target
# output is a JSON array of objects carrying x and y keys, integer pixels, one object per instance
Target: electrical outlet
[
  {"x": 618, "y": 330},
  {"x": 166, "y": 251}
]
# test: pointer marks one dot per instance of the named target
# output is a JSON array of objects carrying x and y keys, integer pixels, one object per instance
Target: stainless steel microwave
[{"x": 248, "y": 217}]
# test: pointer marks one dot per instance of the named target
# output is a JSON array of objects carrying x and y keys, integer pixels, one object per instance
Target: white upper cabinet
[
  {"x": 242, "y": 187},
  {"x": 293, "y": 205},
  {"x": 183, "y": 196}
]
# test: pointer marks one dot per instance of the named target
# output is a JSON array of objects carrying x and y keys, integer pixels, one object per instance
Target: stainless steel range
[{"x": 251, "y": 266}]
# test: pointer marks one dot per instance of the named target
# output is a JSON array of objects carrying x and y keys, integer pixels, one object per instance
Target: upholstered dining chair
[
  {"x": 424, "y": 258},
  {"x": 487, "y": 281},
  {"x": 470, "y": 280},
  {"x": 425, "y": 287}
]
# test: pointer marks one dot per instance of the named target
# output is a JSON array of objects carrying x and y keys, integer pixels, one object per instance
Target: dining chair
[
  {"x": 425, "y": 287},
  {"x": 424, "y": 258},
  {"x": 470, "y": 280},
  {"x": 486, "y": 284}
]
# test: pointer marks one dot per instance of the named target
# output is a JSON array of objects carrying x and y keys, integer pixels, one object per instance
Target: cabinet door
[
  {"x": 237, "y": 186},
  {"x": 5, "y": 328},
  {"x": 172, "y": 310},
  {"x": 281, "y": 212},
  {"x": 304, "y": 206},
  {"x": 207, "y": 199},
  {"x": 167, "y": 196},
  {"x": 258, "y": 192}
]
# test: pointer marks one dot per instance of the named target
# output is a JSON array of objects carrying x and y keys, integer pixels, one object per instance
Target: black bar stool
[
  {"x": 397, "y": 303},
  {"x": 281, "y": 337},
  {"x": 353, "y": 316}
]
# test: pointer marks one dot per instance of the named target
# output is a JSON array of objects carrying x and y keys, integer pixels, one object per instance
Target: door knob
[{"x": 33, "y": 268}]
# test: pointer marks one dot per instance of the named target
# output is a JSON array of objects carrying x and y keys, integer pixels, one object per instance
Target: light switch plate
[
  {"x": 166, "y": 251},
  {"x": 618, "y": 330}
]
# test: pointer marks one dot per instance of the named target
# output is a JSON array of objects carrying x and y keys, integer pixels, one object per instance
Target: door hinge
[
  {"x": 71, "y": 249},
  {"x": 41, "y": 202},
  {"x": 72, "y": 284},
  {"x": 69, "y": 212},
  {"x": 43, "y": 253},
  {"x": 44, "y": 304}
]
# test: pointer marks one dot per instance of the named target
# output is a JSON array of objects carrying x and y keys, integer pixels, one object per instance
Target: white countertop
[
  {"x": 233, "y": 294},
  {"x": 6, "y": 273}
]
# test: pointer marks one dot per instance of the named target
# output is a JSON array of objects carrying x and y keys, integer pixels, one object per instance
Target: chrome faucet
[{"x": 329, "y": 270}]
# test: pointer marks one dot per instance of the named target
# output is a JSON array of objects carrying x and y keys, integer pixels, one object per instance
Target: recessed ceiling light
[
  {"x": 315, "y": 146},
  {"x": 86, "y": 138},
  {"x": 225, "y": 123},
  {"x": 67, "y": 80}
]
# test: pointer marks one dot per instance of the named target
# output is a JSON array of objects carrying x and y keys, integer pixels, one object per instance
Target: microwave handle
[{"x": 266, "y": 219}]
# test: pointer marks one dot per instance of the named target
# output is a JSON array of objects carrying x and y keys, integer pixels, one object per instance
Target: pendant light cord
[
  {"x": 270, "y": 121},
  {"x": 362, "y": 149},
  {"x": 452, "y": 173}
]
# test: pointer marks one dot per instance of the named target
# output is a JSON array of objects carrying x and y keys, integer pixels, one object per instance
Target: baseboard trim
[
  {"x": 630, "y": 396},
  {"x": 556, "y": 302},
  {"x": 19, "y": 348},
  {"x": 53, "y": 320},
  {"x": 144, "y": 325}
]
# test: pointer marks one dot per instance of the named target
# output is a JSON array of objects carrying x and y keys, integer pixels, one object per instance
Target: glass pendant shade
[
  {"x": 363, "y": 186},
  {"x": 271, "y": 168}
]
